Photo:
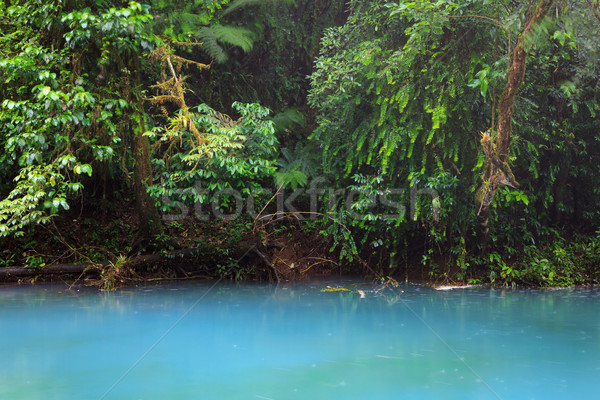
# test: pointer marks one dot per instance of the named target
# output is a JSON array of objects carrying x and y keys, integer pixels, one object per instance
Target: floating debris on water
[
  {"x": 451, "y": 287},
  {"x": 335, "y": 289}
]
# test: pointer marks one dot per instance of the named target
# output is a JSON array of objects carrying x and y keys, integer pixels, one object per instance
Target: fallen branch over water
[
  {"x": 184, "y": 262},
  {"x": 12, "y": 273},
  {"x": 138, "y": 263}
]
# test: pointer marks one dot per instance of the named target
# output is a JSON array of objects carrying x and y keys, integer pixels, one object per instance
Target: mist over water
[{"x": 194, "y": 340}]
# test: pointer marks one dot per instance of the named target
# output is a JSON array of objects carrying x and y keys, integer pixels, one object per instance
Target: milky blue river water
[{"x": 198, "y": 341}]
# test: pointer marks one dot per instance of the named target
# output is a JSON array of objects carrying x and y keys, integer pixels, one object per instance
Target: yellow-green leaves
[
  {"x": 83, "y": 169},
  {"x": 438, "y": 118},
  {"x": 40, "y": 192}
]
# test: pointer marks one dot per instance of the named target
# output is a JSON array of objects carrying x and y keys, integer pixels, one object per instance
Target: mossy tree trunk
[
  {"x": 149, "y": 224},
  {"x": 496, "y": 142}
]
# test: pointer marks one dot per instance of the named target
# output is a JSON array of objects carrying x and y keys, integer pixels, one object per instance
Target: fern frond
[
  {"x": 210, "y": 45},
  {"x": 288, "y": 119},
  {"x": 235, "y": 36},
  {"x": 293, "y": 178}
]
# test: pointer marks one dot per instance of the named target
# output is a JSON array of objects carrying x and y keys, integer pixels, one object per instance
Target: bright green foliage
[
  {"x": 181, "y": 17},
  {"x": 238, "y": 154},
  {"x": 72, "y": 98},
  {"x": 297, "y": 166},
  {"x": 560, "y": 263},
  {"x": 56, "y": 119},
  {"x": 396, "y": 111},
  {"x": 404, "y": 90},
  {"x": 392, "y": 89},
  {"x": 400, "y": 91},
  {"x": 40, "y": 191}
]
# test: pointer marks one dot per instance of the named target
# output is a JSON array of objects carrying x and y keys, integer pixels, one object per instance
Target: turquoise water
[{"x": 198, "y": 341}]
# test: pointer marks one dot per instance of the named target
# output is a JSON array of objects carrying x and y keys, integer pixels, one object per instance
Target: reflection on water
[{"x": 194, "y": 341}]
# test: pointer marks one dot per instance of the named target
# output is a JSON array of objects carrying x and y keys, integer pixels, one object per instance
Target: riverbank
[{"x": 92, "y": 250}]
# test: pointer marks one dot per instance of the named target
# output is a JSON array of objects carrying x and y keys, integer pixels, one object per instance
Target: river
[{"x": 199, "y": 340}]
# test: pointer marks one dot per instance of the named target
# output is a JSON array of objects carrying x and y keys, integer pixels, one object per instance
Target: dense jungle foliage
[{"x": 454, "y": 141}]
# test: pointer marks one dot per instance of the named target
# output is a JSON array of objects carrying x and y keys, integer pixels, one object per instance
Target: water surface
[{"x": 198, "y": 341}]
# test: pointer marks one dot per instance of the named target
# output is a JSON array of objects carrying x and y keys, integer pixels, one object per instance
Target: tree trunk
[
  {"x": 149, "y": 218},
  {"x": 483, "y": 218},
  {"x": 496, "y": 144},
  {"x": 149, "y": 223}
]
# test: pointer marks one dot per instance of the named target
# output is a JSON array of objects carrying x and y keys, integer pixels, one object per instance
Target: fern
[
  {"x": 295, "y": 167},
  {"x": 210, "y": 45},
  {"x": 293, "y": 178},
  {"x": 212, "y": 37},
  {"x": 289, "y": 119},
  {"x": 235, "y": 36}
]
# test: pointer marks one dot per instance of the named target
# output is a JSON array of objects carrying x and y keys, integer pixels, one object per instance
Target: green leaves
[
  {"x": 292, "y": 178},
  {"x": 83, "y": 169},
  {"x": 487, "y": 76},
  {"x": 568, "y": 88},
  {"x": 124, "y": 28},
  {"x": 215, "y": 37},
  {"x": 377, "y": 79},
  {"x": 64, "y": 75},
  {"x": 239, "y": 154},
  {"x": 438, "y": 118},
  {"x": 40, "y": 193},
  {"x": 481, "y": 82}
]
